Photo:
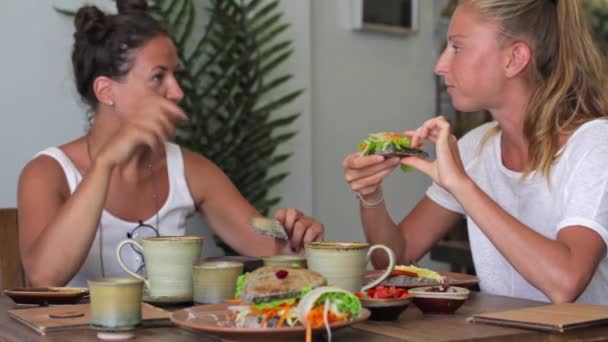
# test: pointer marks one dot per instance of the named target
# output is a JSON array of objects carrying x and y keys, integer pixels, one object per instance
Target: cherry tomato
[
  {"x": 383, "y": 292},
  {"x": 381, "y": 295}
]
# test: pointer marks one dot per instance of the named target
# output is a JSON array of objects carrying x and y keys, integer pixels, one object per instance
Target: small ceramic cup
[
  {"x": 115, "y": 303},
  {"x": 215, "y": 281},
  {"x": 169, "y": 261},
  {"x": 343, "y": 263},
  {"x": 293, "y": 261}
]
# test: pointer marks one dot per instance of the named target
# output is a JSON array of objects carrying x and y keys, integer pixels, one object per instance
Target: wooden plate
[
  {"x": 213, "y": 319},
  {"x": 47, "y": 295},
  {"x": 450, "y": 278}
]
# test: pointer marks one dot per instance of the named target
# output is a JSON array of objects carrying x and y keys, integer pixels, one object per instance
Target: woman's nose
[
  {"x": 175, "y": 92},
  {"x": 441, "y": 64}
]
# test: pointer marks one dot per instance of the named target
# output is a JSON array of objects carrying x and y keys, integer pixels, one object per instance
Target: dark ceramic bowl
[
  {"x": 385, "y": 309},
  {"x": 430, "y": 301}
]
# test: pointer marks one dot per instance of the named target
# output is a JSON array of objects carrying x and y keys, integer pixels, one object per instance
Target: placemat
[
  {"x": 553, "y": 317},
  {"x": 72, "y": 317}
]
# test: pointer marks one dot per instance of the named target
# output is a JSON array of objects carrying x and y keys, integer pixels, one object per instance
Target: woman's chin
[{"x": 464, "y": 106}]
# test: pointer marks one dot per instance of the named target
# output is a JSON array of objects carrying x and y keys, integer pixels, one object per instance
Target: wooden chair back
[{"x": 11, "y": 268}]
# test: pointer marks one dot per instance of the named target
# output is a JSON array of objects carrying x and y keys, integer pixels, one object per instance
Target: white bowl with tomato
[{"x": 386, "y": 303}]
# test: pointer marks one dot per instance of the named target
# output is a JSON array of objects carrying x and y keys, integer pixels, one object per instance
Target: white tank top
[{"x": 172, "y": 218}]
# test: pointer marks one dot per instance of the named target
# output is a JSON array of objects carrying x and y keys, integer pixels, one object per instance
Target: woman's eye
[
  {"x": 456, "y": 48},
  {"x": 158, "y": 78}
]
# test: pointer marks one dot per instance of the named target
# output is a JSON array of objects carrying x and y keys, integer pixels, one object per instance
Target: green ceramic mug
[
  {"x": 293, "y": 261},
  {"x": 215, "y": 281},
  {"x": 344, "y": 263},
  {"x": 169, "y": 261},
  {"x": 115, "y": 303}
]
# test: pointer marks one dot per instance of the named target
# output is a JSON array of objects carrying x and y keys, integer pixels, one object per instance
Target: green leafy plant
[
  {"x": 598, "y": 16},
  {"x": 234, "y": 90}
]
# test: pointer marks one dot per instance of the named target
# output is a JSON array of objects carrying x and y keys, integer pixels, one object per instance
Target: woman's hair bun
[
  {"x": 91, "y": 23},
  {"x": 131, "y": 6}
]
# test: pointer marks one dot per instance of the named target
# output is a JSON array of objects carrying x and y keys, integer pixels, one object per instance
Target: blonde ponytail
[{"x": 567, "y": 72}]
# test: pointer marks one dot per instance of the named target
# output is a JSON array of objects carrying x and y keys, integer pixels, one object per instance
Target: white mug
[
  {"x": 169, "y": 261},
  {"x": 343, "y": 263}
]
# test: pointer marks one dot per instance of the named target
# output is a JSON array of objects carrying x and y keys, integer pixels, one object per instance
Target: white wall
[
  {"x": 38, "y": 99},
  {"x": 296, "y": 191},
  {"x": 364, "y": 83}
]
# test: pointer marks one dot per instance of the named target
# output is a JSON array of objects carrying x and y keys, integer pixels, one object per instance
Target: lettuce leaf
[
  {"x": 277, "y": 302},
  {"x": 385, "y": 141},
  {"x": 274, "y": 303},
  {"x": 405, "y": 168},
  {"x": 345, "y": 302},
  {"x": 240, "y": 282}
]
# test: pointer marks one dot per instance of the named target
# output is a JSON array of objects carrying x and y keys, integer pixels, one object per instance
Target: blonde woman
[{"x": 533, "y": 183}]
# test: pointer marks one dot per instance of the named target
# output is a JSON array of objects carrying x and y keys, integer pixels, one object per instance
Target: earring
[{"x": 111, "y": 103}]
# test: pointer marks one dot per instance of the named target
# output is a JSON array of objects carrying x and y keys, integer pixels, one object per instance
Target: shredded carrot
[
  {"x": 315, "y": 316},
  {"x": 267, "y": 316},
  {"x": 283, "y": 317},
  {"x": 256, "y": 311},
  {"x": 269, "y": 313},
  {"x": 308, "y": 331},
  {"x": 396, "y": 136}
]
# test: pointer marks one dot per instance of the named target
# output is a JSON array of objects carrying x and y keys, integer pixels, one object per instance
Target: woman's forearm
[
  {"x": 555, "y": 271},
  {"x": 379, "y": 228},
  {"x": 63, "y": 245}
]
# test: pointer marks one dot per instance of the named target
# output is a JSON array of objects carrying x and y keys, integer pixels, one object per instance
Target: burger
[
  {"x": 279, "y": 297},
  {"x": 270, "y": 294},
  {"x": 390, "y": 144}
]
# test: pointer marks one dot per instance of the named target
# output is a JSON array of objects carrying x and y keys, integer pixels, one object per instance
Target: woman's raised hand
[
  {"x": 150, "y": 123},
  {"x": 447, "y": 169},
  {"x": 300, "y": 229},
  {"x": 364, "y": 174}
]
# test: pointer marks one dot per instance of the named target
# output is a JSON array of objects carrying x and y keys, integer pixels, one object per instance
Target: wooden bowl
[{"x": 430, "y": 300}]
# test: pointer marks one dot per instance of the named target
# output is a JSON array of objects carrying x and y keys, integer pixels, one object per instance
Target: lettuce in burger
[
  {"x": 270, "y": 294},
  {"x": 390, "y": 144}
]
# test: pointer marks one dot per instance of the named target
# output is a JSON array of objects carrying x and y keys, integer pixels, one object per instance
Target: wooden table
[{"x": 412, "y": 326}]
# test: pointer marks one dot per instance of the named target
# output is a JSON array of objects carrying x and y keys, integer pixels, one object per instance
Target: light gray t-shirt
[{"x": 577, "y": 195}]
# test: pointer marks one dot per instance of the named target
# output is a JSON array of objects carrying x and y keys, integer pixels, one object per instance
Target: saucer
[
  {"x": 47, "y": 295},
  {"x": 115, "y": 335}
]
